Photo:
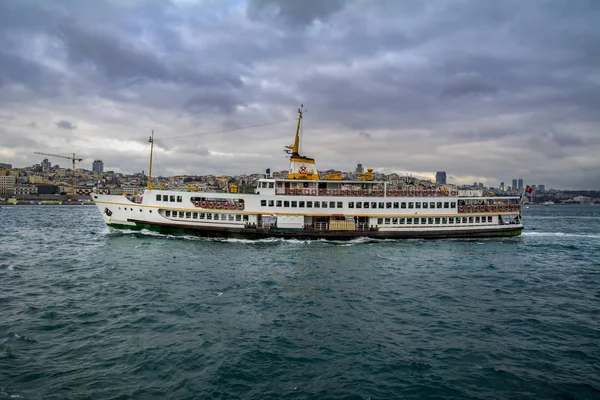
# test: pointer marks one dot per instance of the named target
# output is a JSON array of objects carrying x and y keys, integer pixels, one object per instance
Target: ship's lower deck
[{"x": 252, "y": 232}]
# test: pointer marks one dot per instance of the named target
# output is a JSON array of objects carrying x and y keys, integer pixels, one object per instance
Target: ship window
[
  {"x": 411, "y": 204},
  {"x": 458, "y": 220},
  {"x": 446, "y": 204},
  {"x": 439, "y": 204},
  {"x": 294, "y": 203},
  {"x": 396, "y": 204},
  {"x": 165, "y": 197},
  {"x": 278, "y": 203},
  {"x": 476, "y": 220},
  {"x": 394, "y": 221},
  {"x": 167, "y": 213},
  {"x": 245, "y": 218},
  {"x": 172, "y": 198},
  {"x": 490, "y": 218},
  {"x": 425, "y": 204},
  {"x": 470, "y": 220},
  {"x": 238, "y": 217},
  {"x": 379, "y": 221},
  {"x": 373, "y": 204},
  {"x": 387, "y": 221},
  {"x": 230, "y": 217},
  {"x": 350, "y": 204},
  {"x": 453, "y": 204},
  {"x": 201, "y": 215},
  {"x": 423, "y": 221},
  {"x": 309, "y": 204},
  {"x": 188, "y": 214},
  {"x": 382, "y": 205},
  {"x": 317, "y": 204},
  {"x": 418, "y": 204},
  {"x": 464, "y": 221},
  {"x": 271, "y": 185},
  {"x": 416, "y": 221},
  {"x": 271, "y": 203},
  {"x": 324, "y": 204},
  {"x": 403, "y": 204},
  {"x": 358, "y": 204},
  {"x": 286, "y": 203},
  {"x": 179, "y": 199},
  {"x": 444, "y": 220},
  {"x": 195, "y": 215},
  {"x": 158, "y": 197},
  {"x": 332, "y": 204},
  {"x": 263, "y": 203},
  {"x": 430, "y": 221},
  {"x": 340, "y": 204},
  {"x": 437, "y": 220},
  {"x": 366, "y": 205},
  {"x": 216, "y": 217},
  {"x": 432, "y": 205},
  {"x": 401, "y": 221},
  {"x": 301, "y": 204},
  {"x": 209, "y": 216}
]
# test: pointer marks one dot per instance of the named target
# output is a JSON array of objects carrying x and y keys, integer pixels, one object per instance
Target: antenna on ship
[{"x": 151, "y": 141}]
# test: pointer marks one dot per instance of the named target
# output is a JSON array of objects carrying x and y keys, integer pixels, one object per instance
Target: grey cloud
[
  {"x": 465, "y": 83},
  {"x": 302, "y": 12},
  {"x": 66, "y": 125}
]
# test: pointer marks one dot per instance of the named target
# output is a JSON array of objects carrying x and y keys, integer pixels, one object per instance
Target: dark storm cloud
[
  {"x": 301, "y": 12},
  {"x": 66, "y": 125},
  {"x": 473, "y": 87}
]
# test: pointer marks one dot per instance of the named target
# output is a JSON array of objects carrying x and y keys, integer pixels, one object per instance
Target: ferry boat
[{"x": 308, "y": 206}]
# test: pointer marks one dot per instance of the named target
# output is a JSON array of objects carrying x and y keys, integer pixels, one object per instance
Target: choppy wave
[{"x": 561, "y": 234}]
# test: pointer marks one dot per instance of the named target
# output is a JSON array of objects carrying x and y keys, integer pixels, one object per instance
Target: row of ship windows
[
  {"x": 206, "y": 216},
  {"x": 431, "y": 221},
  {"x": 164, "y": 197},
  {"x": 352, "y": 204}
]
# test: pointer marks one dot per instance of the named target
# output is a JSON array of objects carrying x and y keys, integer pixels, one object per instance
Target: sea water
[{"x": 88, "y": 313}]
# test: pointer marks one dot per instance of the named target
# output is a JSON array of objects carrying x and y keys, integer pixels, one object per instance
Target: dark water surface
[{"x": 86, "y": 313}]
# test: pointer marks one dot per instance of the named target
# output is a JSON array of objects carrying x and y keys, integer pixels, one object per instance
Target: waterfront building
[
  {"x": 46, "y": 165},
  {"x": 520, "y": 186},
  {"x": 98, "y": 166},
  {"x": 440, "y": 177},
  {"x": 7, "y": 185},
  {"x": 514, "y": 184}
]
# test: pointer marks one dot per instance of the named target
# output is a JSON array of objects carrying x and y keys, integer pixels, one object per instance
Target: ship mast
[
  {"x": 295, "y": 148},
  {"x": 151, "y": 140}
]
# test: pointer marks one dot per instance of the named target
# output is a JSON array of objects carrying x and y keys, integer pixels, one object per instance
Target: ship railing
[
  {"x": 478, "y": 208},
  {"x": 364, "y": 192},
  {"x": 321, "y": 226}
]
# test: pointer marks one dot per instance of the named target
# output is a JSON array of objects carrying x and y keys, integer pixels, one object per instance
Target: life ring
[
  {"x": 357, "y": 192},
  {"x": 211, "y": 204},
  {"x": 218, "y": 206},
  {"x": 453, "y": 193},
  {"x": 225, "y": 206},
  {"x": 411, "y": 193},
  {"x": 328, "y": 192},
  {"x": 196, "y": 204},
  {"x": 404, "y": 193},
  {"x": 380, "y": 193},
  {"x": 396, "y": 193},
  {"x": 203, "y": 205},
  {"x": 417, "y": 193},
  {"x": 313, "y": 192},
  {"x": 425, "y": 193},
  {"x": 321, "y": 192},
  {"x": 518, "y": 206},
  {"x": 461, "y": 209},
  {"x": 241, "y": 206},
  {"x": 468, "y": 208}
]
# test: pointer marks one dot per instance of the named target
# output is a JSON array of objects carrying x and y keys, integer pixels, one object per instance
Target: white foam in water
[{"x": 560, "y": 234}]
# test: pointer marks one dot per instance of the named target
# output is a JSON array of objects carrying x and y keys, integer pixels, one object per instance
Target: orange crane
[{"x": 73, "y": 159}]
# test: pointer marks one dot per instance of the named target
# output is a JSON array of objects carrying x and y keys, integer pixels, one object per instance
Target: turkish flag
[{"x": 529, "y": 189}]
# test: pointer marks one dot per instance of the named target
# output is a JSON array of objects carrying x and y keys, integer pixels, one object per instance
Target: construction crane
[{"x": 73, "y": 159}]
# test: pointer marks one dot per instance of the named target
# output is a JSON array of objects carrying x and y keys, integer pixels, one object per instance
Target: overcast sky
[{"x": 485, "y": 90}]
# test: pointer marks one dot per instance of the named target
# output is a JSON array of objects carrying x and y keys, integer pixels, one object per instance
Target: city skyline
[{"x": 411, "y": 88}]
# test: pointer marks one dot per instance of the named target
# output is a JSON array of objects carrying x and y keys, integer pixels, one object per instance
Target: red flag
[{"x": 529, "y": 189}]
